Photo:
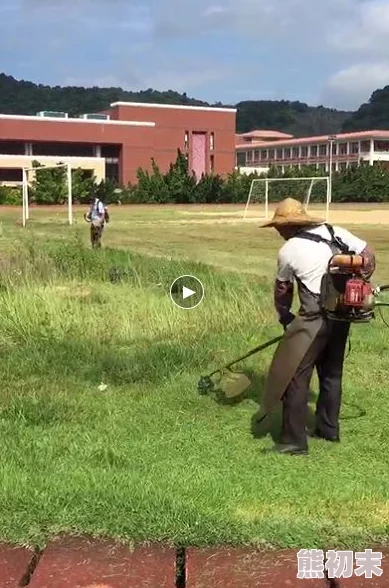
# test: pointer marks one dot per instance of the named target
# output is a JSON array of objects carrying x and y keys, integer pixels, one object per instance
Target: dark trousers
[
  {"x": 327, "y": 354},
  {"x": 96, "y": 232}
]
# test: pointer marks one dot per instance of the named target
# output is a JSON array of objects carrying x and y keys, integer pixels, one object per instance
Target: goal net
[
  {"x": 265, "y": 193},
  {"x": 64, "y": 183}
]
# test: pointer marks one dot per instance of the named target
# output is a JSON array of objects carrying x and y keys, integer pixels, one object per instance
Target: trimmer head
[
  {"x": 230, "y": 384},
  {"x": 205, "y": 385}
]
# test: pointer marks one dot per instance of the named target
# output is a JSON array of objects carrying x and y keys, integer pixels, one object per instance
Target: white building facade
[{"x": 340, "y": 151}]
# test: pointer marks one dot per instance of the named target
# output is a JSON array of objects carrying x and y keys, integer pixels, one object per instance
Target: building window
[
  {"x": 365, "y": 146},
  {"x": 279, "y": 154},
  {"x": 12, "y": 148},
  {"x": 271, "y": 153},
  {"x": 12, "y": 174},
  {"x": 334, "y": 145},
  {"x": 304, "y": 151},
  {"x": 296, "y": 153},
  {"x": 112, "y": 172},
  {"x": 323, "y": 150},
  {"x": 186, "y": 140},
  {"x": 382, "y": 146},
  {"x": 287, "y": 153},
  {"x": 212, "y": 141},
  {"x": 322, "y": 167},
  {"x": 256, "y": 156},
  {"x": 249, "y": 156},
  {"x": 111, "y": 151},
  {"x": 63, "y": 149},
  {"x": 314, "y": 151},
  {"x": 354, "y": 147},
  {"x": 264, "y": 154},
  {"x": 343, "y": 149},
  {"x": 342, "y": 165},
  {"x": 241, "y": 159}
]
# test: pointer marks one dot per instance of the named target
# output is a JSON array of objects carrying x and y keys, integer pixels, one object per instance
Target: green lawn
[{"x": 147, "y": 458}]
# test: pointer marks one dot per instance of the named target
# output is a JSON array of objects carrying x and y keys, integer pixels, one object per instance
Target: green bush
[
  {"x": 178, "y": 185},
  {"x": 10, "y": 196}
]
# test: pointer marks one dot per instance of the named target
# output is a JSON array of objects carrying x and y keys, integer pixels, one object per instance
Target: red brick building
[{"x": 114, "y": 144}]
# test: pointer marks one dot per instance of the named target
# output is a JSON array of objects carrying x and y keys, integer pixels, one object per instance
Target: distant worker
[
  {"x": 311, "y": 338},
  {"x": 97, "y": 217}
]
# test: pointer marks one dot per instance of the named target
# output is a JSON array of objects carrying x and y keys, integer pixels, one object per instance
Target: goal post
[
  {"x": 26, "y": 183},
  {"x": 259, "y": 192}
]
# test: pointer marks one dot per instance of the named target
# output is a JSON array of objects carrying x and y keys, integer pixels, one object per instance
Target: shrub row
[{"x": 363, "y": 183}]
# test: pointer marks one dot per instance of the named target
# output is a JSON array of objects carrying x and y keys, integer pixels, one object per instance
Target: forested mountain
[
  {"x": 296, "y": 118},
  {"x": 372, "y": 115}
]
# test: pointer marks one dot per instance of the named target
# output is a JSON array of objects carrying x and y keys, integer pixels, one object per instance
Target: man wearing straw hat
[{"x": 310, "y": 338}]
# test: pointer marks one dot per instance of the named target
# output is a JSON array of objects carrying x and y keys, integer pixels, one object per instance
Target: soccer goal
[
  {"x": 26, "y": 183},
  {"x": 265, "y": 191}
]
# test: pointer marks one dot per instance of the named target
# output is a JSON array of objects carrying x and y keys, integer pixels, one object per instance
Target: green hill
[
  {"x": 296, "y": 118},
  {"x": 372, "y": 115}
]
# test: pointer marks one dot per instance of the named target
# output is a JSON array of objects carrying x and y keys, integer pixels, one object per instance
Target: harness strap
[{"x": 334, "y": 241}]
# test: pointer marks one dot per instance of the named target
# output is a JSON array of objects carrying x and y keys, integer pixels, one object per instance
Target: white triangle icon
[{"x": 186, "y": 292}]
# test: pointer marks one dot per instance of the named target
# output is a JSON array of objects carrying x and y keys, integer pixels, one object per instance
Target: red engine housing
[{"x": 356, "y": 293}]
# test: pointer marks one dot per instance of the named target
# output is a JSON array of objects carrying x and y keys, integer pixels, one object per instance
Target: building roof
[
  {"x": 173, "y": 106},
  {"x": 317, "y": 139},
  {"x": 85, "y": 121},
  {"x": 265, "y": 134}
]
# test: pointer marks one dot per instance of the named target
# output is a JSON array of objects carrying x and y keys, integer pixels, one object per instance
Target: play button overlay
[{"x": 187, "y": 292}]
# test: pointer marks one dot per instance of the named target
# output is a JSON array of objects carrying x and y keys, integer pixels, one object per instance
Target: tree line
[
  {"x": 178, "y": 185},
  {"x": 293, "y": 117}
]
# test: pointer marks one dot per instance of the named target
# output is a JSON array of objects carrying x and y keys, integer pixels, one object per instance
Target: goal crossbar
[
  {"x": 26, "y": 205},
  {"x": 311, "y": 179}
]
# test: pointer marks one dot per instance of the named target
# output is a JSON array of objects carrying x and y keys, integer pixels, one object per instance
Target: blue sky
[{"x": 331, "y": 52}]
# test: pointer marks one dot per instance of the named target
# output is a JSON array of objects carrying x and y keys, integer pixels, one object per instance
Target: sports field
[{"x": 101, "y": 427}]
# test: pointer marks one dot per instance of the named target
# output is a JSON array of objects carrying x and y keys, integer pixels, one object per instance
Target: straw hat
[{"x": 291, "y": 212}]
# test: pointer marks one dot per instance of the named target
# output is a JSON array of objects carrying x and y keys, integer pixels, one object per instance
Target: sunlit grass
[{"x": 144, "y": 457}]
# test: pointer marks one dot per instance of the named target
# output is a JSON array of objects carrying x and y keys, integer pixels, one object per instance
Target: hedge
[{"x": 363, "y": 183}]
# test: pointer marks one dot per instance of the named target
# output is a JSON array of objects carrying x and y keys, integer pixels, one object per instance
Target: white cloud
[
  {"x": 361, "y": 42},
  {"x": 213, "y": 10},
  {"x": 161, "y": 79},
  {"x": 300, "y": 46},
  {"x": 193, "y": 78},
  {"x": 295, "y": 20},
  {"x": 353, "y": 85},
  {"x": 366, "y": 31}
]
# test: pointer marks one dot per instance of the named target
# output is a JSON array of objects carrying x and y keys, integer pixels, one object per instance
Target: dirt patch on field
[
  {"x": 358, "y": 217},
  {"x": 365, "y": 217},
  {"x": 211, "y": 214}
]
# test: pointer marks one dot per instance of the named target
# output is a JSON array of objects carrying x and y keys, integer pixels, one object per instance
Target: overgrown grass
[{"x": 145, "y": 458}]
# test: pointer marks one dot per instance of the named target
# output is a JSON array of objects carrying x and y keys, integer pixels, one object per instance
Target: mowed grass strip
[{"x": 144, "y": 457}]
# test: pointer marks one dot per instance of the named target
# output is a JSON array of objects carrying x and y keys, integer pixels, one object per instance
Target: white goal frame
[
  {"x": 312, "y": 181},
  {"x": 25, "y": 185}
]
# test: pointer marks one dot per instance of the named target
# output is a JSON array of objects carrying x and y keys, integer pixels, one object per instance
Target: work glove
[{"x": 286, "y": 320}]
